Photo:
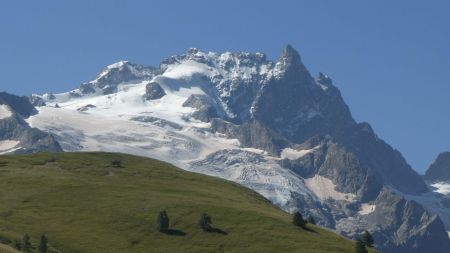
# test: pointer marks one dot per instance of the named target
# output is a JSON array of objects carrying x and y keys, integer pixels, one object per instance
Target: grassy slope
[{"x": 85, "y": 205}]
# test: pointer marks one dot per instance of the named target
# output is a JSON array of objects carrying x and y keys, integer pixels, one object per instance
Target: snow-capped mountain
[{"x": 267, "y": 125}]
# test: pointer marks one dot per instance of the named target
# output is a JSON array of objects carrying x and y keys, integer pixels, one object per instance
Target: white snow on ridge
[
  {"x": 324, "y": 188},
  {"x": 5, "y": 112},
  {"x": 186, "y": 69},
  {"x": 117, "y": 64},
  {"x": 293, "y": 154}
]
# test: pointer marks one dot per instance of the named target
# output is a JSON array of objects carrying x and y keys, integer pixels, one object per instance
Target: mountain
[
  {"x": 267, "y": 125},
  {"x": 85, "y": 204},
  {"x": 440, "y": 169},
  {"x": 437, "y": 200},
  {"x": 16, "y": 136}
]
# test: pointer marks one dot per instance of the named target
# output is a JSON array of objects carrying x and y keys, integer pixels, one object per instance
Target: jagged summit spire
[
  {"x": 290, "y": 61},
  {"x": 290, "y": 53},
  {"x": 290, "y": 57}
]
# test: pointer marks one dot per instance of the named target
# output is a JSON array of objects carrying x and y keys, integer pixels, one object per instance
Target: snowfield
[{"x": 5, "y": 112}]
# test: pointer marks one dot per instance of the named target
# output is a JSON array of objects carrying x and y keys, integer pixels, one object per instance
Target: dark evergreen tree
[
  {"x": 298, "y": 220},
  {"x": 162, "y": 221},
  {"x": 360, "y": 247},
  {"x": 205, "y": 222},
  {"x": 43, "y": 244},
  {"x": 311, "y": 220},
  {"x": 367, "y": 239},
  {"x": 26, "y": 244}
]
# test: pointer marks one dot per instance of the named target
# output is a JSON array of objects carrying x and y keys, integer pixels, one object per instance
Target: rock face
[
  {"x": 153, "y": 91},
  {"x": 395, "y": 217},
  {"x": 20, "y": 105},
  {"x": 298, "y": 143},
  {"x": 37, "y": 101},
  {"x": 205, "y": 110},
  {"x": 16, "y": 136},
  {"x": 440, "y": 169}
]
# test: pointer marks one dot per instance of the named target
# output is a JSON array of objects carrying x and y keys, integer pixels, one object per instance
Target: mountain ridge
[{"x": 234, "y": 115}]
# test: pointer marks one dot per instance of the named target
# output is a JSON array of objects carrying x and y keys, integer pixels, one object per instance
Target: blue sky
[{"x": 391, "y": 59}]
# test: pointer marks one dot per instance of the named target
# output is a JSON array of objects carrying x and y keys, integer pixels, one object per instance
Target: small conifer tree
[
  {"x": 367, "y": 239},
  {"x": 205, "y": 222},
  {"x": 298, "y": 220},
  {"x": 43, "y": 244},
  {"x": 360, "y": 247},
  {"x": 162, "y": 221}
]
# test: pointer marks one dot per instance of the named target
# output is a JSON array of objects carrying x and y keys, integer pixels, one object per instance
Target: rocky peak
[
  {"x": 440, "y": 169},
  {"x": 113, "y": 75},
  {"x": 290, "y": 55},
  {"x": 290, "y": 61},
  {"x": 21, "y": 105}
]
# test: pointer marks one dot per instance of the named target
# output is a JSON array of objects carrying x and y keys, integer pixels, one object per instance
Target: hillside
[
  {"x": 7, "y": 249},
  {"x": 84, "y": 204}
]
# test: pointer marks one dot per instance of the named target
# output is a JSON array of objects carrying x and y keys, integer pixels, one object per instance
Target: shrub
[{"x": 116, "y": 163}]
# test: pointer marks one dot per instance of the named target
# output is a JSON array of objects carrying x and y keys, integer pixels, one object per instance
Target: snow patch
[
  {"x": 7, "y": 146},
  {"x": 5, "y": 112},
  {"x": 442, "y": 187},
  {"x": 293, "y": 154},
  {"x": 324, "y": 188},
  {"x": 367, "y": 209},
  {"x": 323, "y": 87}
]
